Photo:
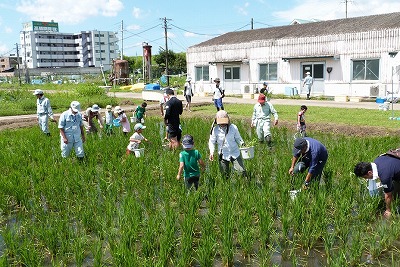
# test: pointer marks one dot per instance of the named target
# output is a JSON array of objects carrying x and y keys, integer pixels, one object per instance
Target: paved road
[
  {"x": 201, "y": 99},
  {"x": 291, "y": 102}
]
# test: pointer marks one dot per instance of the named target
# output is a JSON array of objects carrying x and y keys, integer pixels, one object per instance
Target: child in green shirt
[
  {"x": 189, "y": 161},
  {"x": 140, "y": 112}
]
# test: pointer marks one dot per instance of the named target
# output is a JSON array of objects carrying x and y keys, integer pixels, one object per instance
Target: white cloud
[
  {"x": 242, "y": 9},
  {"x": 137, "y": 12},
  {"x": 133, "y": 27},
  {"x": 190, "y": 34},
  {"x": 68, "y": 11},
  {"x": 8, "y": 29}
]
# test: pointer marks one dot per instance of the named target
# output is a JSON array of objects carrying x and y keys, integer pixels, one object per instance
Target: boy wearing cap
[
  {"x": 44, "y": 111},
  {"x": 109, "y": 115},
  {"x": 136, "y": 139},
  {"x": 89, "y": 115},
  {"x": 227, "y": 137},
  {"x": 219, "y": 93},
  {"x": 189, "y": 161},
  {"x": 71, "y": 131},
  {"x": 313, "y": 155},
  {"x": 261, "y": 119}
]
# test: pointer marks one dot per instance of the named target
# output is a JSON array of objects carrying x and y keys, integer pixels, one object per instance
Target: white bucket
[
  {"x": 247, "y": 152},
  {"x": 293, "y": 193},
  {"x": 133, "y": 119},
  {"x": 139, "y": 152}
]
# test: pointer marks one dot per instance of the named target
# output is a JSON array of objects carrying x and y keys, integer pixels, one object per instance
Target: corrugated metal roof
[{"x": 330, "y": 27}]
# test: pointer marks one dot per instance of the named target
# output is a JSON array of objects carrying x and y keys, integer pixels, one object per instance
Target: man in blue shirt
[
  {"x": 387, "y": 169},
  {"x": 313, "y": 155},
  {"x": 71, "y": 131}
]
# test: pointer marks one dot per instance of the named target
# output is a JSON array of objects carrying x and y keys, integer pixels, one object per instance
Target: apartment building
[{"x": 43, "y": 46}]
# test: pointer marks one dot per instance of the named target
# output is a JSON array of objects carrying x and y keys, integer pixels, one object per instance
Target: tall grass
[{"x": 126, "y": 211}]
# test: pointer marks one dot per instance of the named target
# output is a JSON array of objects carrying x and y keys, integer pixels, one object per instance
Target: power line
[
  {"x": 9, "y": 52},
  {"x": 207, "y": 34}
]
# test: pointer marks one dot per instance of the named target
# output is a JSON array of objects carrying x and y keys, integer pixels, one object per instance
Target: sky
[{"x": 188, "y": 22}]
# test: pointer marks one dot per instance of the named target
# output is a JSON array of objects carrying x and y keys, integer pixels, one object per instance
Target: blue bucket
[{"x": 116, "y": 123}]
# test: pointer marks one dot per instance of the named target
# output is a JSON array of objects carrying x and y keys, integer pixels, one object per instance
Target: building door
[
  {"x": 317, "y": 72},
  {"x": 232, "y": 79}
]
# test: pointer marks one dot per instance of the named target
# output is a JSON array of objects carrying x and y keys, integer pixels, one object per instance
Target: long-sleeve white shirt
[
  {"x": 44, "y": 107},
  {"x": 227, "y": 143}
]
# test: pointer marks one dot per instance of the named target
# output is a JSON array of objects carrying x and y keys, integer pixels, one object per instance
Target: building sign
[{"x": 41, "y": 26}]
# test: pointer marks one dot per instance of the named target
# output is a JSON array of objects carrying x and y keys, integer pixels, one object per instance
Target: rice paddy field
[{"x": 118, "y": 210}]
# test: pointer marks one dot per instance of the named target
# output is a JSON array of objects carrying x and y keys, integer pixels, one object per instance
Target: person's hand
[
  {"x": 291, "y": 171},
  {"x": 387, "y": 214},
  {"x": 211, "y": 157},
  {"x": 251, "y": 125},
  {"x": 178, "y": 177},
  {"x": 276, "y": 122},
  {"x": 65, "y": 140},
  {"x": 306, "y": 185}
]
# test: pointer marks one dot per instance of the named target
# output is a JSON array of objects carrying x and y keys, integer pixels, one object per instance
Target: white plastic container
[
  {"x": 139, "y": 152},
  {"x": 247, "y": 152},
  {"x": 293, "y": 193}
]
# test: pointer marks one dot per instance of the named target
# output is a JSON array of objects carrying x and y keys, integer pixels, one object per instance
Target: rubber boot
[
  {"x": 308, "y": 96},
  {"x": 269, "y": 142}
]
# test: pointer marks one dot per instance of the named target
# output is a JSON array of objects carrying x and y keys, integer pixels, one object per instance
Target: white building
[
  {"x": 347, "y": 57},
  {"x": 43, "y": 46}
]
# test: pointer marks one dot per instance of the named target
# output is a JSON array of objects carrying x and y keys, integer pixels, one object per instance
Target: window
[
  {"x": 269, "y": 72},
  {"x": 202, "y": 73},
  {"x": 366, "y": 69}
]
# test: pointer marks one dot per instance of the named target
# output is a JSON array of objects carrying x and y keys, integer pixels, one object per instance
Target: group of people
[{"x": 308, "y": 153}]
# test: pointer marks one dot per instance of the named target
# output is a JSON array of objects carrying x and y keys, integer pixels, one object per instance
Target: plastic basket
[
  {"x": 116, "y": 123},
  {"x": 247, "y": 152},
  {"x": 139, "y": 152}
]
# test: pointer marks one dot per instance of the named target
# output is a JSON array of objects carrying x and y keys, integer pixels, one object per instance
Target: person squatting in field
[
  {"x": 71, "y": 131},
  {"x": 44, "y": 111},
  {"x": 227, "y": 137},
  {"x": 387, "y": 169},
  {"x": 308, "y": 153},
  {"x": 261, "y": 119},
  {"x": 88, "y": 117}
]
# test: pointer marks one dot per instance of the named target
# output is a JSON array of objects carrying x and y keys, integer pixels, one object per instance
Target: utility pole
[
  {"x": 252, "y": 24},
  {"x": 19, "y": 71},
  {"x": 166, "y": 47},
  {"x": 122, "y": 39}
]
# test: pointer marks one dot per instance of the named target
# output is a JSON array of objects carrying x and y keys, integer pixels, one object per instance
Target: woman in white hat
[
  {"x": 227, "y": 137},
  {"x": 188, "y": 93}
]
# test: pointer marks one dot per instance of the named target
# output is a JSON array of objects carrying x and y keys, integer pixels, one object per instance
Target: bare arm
[
  {"x": 294, "y": 160},
  {"x": 180, "y": 170},
  {"x": 202, "y": 164},
  {"x": 388, "y": 202}
]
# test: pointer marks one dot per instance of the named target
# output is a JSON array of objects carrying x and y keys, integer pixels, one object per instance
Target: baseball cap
[
  {"x": 261, "y": 98},
  {"x": 108, "y": 107},
  {"x": 38, "y": 92},
  {"x": 265, "y": 83},
  {"x": 298, "y": 145},
  {"x": 139, "y": 126},
  {"x": 187, "y": 141},
  {"x": 222, "y": 117},
  {"x": 95, "y": 108},
  {"x": 117, "y": 109},
  {"x": 75, "y": 106},
  {"x": 217, "y": 80}
]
